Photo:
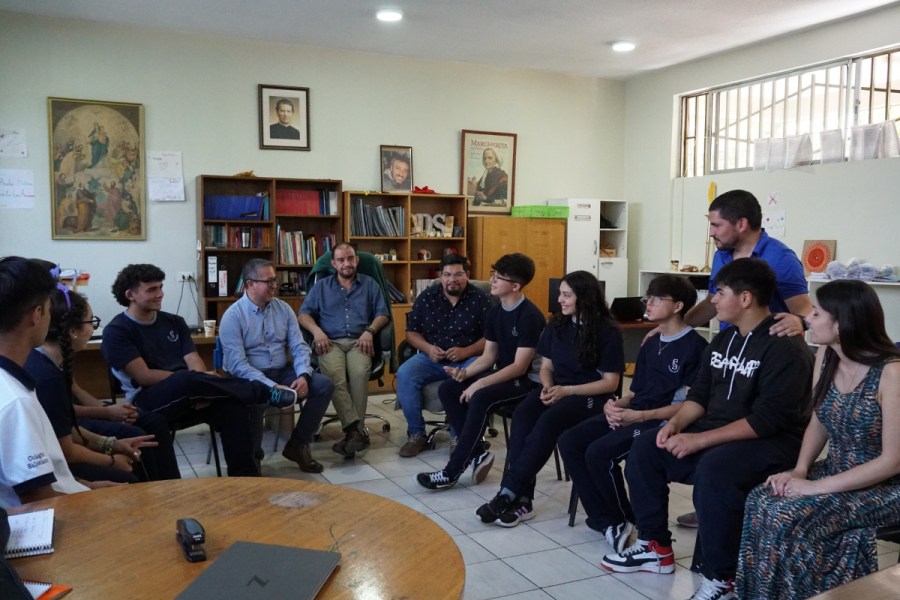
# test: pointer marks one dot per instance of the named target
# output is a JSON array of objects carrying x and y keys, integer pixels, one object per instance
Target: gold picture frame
[{"x": 97, "y": 174}]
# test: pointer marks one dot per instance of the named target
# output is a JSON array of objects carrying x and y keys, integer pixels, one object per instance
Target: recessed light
[
  {"x": 623, "y": 46},
  {"x": 389, "y": 14}
]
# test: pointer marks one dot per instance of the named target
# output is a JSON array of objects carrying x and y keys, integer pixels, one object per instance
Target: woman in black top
[
  {"x": 91, "y": 457},
  {"x": 582, "y": 362}
]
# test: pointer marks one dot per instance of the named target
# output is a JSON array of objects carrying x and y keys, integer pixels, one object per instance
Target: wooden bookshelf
[
  {"x": 234, "y": 258},
  {"x": 408, "y": 267}
]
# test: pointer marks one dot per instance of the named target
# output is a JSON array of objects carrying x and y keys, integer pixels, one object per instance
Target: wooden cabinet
[{"x": 544, "y": 240}]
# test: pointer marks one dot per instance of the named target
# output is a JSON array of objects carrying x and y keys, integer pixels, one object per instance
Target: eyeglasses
[
  {"x": 268, "y": 282},
  {"x": 447, "y": 275},
  {"x": 496, "y": 277},
  {"x": 95, "y": 322},
  {"x": 655, "y": 300}
]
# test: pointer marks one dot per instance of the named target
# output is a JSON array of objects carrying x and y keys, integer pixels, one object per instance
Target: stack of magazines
[{"x": 376, "y": 221}]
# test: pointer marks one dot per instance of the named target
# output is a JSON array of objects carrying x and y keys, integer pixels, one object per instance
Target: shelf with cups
[
  {"x": 417, "y": 255},
  {"x": 310, "y": 208}
]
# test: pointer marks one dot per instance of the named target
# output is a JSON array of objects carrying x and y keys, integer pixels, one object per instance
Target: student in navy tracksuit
[
  {"x": 582, "y": 361},
  {"x": 666, "y": 366}
]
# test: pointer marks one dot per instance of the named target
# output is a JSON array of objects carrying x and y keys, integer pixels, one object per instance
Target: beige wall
[{"x": 200, "y": 98}]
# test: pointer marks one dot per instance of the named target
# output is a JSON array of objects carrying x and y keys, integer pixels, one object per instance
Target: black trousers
[
  {"x": 470, "y": 418},
  {"x": 159, "y": 462},
  {"x": 722, "y": 477},
  {"x": 592, "y": 452},
  {"x": 231, "y": 399},
  {"x": 536, "y": 428}
]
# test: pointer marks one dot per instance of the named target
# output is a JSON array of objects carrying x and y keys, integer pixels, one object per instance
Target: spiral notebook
[{"x": 30, "y": 534}]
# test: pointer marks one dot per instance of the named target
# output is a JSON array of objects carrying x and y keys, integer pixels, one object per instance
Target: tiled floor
[{"x": 538, "y": 560}]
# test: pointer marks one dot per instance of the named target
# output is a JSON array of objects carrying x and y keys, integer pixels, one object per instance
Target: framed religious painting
[
  {"x": 488, "y": 171},
  {"x": 283, "y": 117},
  {"x": 396, "y": 169},
  {"x": 97, "y": 181}
]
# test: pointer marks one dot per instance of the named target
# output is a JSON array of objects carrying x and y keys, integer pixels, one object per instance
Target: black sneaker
[
  {"x": 713, "y": 589},
  {"x": 490, "y": 512},
  {"x": 641, "y": 556},
  {"x": 481, "y": 466},
  {"x": 438, "y": 480},
  {"x": 282, "y": 397},
  {"x": 617, "y": 536},
  {"x": 518, "y": 511}
]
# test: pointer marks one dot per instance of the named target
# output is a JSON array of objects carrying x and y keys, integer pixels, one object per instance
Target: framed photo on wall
[
  {"x": 396, "y": 169},
  {"x": 283, "y": 117},
  {"x": 97, "y": 176},
  {"x": 488, "y": 171}
]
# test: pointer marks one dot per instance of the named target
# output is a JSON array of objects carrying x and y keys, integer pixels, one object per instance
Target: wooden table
[
  {"x": 92, "y": 373},
  {"x": 120, "y": 542},
  {"x": 883, "y": 585}
]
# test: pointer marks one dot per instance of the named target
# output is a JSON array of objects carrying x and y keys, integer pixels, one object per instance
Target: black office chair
[{"x": 115, "y": 388}]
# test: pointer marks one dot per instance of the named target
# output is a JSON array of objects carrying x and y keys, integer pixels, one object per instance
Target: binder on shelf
[
  {"x": 223, "y": 281},
  {"x": 212, "y": 276},
  {"x": 233, "y": 207}
]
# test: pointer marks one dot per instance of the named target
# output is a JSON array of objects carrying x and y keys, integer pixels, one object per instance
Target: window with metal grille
[{"x": 718, "y": 126}]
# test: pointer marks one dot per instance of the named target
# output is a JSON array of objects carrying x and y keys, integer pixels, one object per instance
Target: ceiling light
[
  {"x": 623, "y": 46},
  {"x": 389, "y": 14}
]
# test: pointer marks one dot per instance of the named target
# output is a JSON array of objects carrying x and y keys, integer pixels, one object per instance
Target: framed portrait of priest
[
  {"x": 488, "y": 171},
  {"x": 283, "y": 117},
  {"x": 97, "y": 175}
]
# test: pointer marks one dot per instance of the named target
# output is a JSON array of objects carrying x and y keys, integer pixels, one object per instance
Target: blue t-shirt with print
[{"x": 665, "y": 365}]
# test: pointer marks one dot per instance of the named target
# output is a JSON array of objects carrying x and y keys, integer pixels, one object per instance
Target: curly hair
[
  {"x": 591, "y": 310},
  {"x": 63, "y": 320},
  {"x": 131, "y": 278}
]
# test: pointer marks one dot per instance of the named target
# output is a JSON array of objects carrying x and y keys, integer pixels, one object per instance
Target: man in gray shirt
[
  {"x": 344, "y": 312},
  {"x": 256, "y": 331}
]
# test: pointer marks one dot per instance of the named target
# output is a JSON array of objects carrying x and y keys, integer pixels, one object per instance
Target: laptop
[
  {"x": 628, "y": 309},
  {"x": 249, "y": 571}
]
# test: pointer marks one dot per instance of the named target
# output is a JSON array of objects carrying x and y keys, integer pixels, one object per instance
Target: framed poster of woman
[
  {"x": 97, "y": 170},
  {"x": 488, "y": 171}
]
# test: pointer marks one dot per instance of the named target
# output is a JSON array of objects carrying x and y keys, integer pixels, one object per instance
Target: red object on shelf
[{"x": 423, "y": 190}]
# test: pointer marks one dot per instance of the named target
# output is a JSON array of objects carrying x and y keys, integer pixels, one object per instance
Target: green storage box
[{"x": 541, "y": 212}]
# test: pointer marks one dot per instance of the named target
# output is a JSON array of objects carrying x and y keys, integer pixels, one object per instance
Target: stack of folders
[{"x": 376, "y": 221}]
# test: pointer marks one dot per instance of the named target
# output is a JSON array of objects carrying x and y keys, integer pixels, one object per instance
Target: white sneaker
[
  {"x": 617, "y": 535},
  {"x": 713, "y": 589},
  {"x": 641, "y": 556}
]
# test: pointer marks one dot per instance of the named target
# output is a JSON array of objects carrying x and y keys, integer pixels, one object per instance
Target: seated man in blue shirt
[
  {"x": 344, "y": 312},
  {"x": 151, "y": 352},
  {"x": 255, "y": 332},
  {"x": 446, "y": 325}
]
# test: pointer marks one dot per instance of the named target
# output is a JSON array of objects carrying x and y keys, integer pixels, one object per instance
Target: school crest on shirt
[
  {"x": 674, "y": 366},
  {"x": 173, "y": 337}
]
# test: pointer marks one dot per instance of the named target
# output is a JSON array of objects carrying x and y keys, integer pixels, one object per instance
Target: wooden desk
[
  {"x": 92, "y": 373},
  {"x": 883, "y": 585},
  {"x": 120, "y": 542}
]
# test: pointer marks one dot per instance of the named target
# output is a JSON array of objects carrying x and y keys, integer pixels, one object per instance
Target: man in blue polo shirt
[
  {"x": 256, "y": 331},
  {"x": 446, "y": 326},
  {"x": 343, "y": 312}
]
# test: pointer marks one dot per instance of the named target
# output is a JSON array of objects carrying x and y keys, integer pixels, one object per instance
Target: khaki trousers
[{"x": 348, "y": 369}]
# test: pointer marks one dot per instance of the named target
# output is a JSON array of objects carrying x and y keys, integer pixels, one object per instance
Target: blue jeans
[{"x": 412, "y": 376}]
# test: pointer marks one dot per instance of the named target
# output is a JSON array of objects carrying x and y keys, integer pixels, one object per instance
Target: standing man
[
  {"x": 256, "y": 331},
  {"x": 512, "y": 332},
  {"x": 152, "y": 354},
  {"x": 743, "y": 420},
  {"x": 282, "y": 130},
  {"x": 343, "y": 312},
  {"x": 446, "y": 326}
]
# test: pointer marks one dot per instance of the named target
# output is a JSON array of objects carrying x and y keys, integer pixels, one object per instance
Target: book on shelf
[
  {"x": 306, "y": 202},
  {"x": 296, "y": 249},
  {"x": 231, "y": 208},
  {"x": 421, "y": 285},
  {"x": 396, "y": 296},
  {"x": 296, "y": 279},
  {"x": 236, "y": 236},
  {"x": 376, "y": 221}
]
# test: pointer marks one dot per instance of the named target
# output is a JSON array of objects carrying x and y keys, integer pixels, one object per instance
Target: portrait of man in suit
[{"x": 284, "y": 115}]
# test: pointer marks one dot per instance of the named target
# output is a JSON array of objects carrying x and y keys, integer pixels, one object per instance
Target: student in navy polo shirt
[
  {"x": 446, "y": 326},
  {"x": 151, "y": 352},
  {"x": 511, "y": 336},
  {"x": 665, "y": 367},
  {"x": 582, "y": 361}
]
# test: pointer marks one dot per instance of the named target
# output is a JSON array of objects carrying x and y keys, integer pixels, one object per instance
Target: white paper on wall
[
  {"x": 16, "y": 188},
  {"x": 13, "y": 143},
  {"x": 773, "y": 222}
]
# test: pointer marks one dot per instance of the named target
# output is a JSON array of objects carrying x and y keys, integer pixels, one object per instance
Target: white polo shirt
[{"x": 30, "y": 455}]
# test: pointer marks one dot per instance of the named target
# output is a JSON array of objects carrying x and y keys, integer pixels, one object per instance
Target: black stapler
[{"x": 190, "y": 536}]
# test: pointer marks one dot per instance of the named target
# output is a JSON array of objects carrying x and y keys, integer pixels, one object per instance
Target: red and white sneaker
[
  {"x": 641, "y": 556},
  {"x": 713, "y": 589}
]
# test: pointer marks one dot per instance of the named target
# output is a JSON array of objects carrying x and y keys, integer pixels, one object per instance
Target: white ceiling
[{"x": 564, "y": 36}]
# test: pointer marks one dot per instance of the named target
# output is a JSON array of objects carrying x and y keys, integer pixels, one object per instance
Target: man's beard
[{"x": 456, "y": 292}]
